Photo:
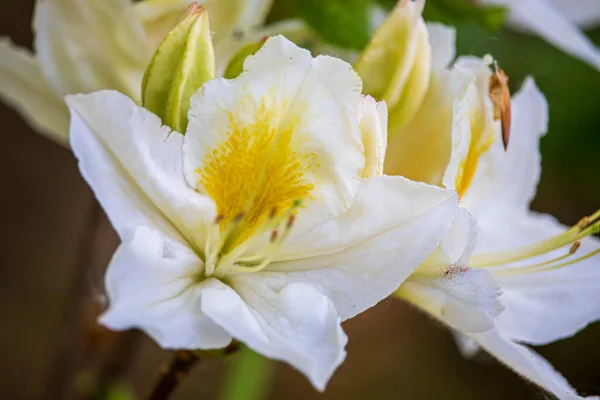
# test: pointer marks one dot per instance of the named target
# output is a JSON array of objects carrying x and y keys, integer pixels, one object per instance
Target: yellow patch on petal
[
  {"x": 260, "y": 170},
  {"x": 481, "y": 141}
]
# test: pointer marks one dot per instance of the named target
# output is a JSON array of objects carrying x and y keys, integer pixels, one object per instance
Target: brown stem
[
  {"x": 181, "y": 365},
  {"x": 173, "y": 373}
]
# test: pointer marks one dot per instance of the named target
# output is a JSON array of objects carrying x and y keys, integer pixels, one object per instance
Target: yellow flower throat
[{"x": 258, "y": 173}]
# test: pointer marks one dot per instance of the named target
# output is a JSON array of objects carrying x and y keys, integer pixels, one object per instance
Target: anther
[
  {"x": 273, "y": 213},
  {"x": 583, "y": 222},
  {"x": 290, "y": 221},
  {"x": 239, "y": 217},
  {"x": 274, "y": 235},
  {"x": 219, "y": 219},
  {"x": 574, "y": 247}
]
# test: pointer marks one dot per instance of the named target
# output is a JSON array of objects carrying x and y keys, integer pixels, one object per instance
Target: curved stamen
[
  {"x": 549, "y": 264},
  {"x": 585, "y": 227},
  {"x": 277, "y": 225}
]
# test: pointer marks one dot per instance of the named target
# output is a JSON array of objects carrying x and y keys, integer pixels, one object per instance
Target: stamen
[
  {"x": 291, "y": 221},
  {"x": 585, "y": 227},
  {"x": 210, "y": 253},
  {"x": 273, "y": 213},
  {"x": 239, "y": 217},
  {"x": 575, "y": 247},
  {"x": 538, "y": 267},
  {"x": 279, "y": 227},
  {"x": 274, "y": 235},
  {"x": 589, "y": 255}
]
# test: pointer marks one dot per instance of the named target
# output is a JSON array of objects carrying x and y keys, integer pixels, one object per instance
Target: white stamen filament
[{"x": 234, "y": 261}]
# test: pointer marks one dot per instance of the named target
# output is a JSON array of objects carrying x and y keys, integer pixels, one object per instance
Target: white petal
[
  {"x": 381, "y": 204},
  {"x": 460, "y": 240},
  {"x": 507, "y": 180},
  {"x": 455, "y": 247},
  {"x": 467, "y": 346},
  {"x": 584, "y": 13},
  {"x": 466, "y": 298},
  {"x": 518, "y": 358},
  {"x": 150, "y": 285},
  {"x": 373, "y": 125},
  {"x": 472, "y": 300},
  {"x": 307, "y": 111},
  {"x": 134, "y": 166},
  {"x": 362, "y": 256},
  {"x": 85, "y": 46},
  {"x": 541, "y": 17},
  {"x": 545, "y": 306},
  {"x": 23, "y": 86},
  {"x": 295, "y": 324},
  {"x": 475, "y": 129},
  {"x": 526, "y": 363},
  {"x": 442, "y": 39}
]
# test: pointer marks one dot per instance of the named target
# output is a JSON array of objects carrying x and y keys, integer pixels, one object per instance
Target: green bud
[
  {"x": 236, "y": 64},
  {"x": 396, "y": 64},
  {"x": 184, "y": 61}
]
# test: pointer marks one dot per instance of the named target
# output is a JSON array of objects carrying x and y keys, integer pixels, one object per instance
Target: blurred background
[{"x": 56, "y": 243}]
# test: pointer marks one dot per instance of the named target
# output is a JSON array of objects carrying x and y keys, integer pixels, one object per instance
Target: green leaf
[
  {"x": 343, "y": 23},
  {"x": 454, "y": 12},
  {"x": 389, "y": 4}
]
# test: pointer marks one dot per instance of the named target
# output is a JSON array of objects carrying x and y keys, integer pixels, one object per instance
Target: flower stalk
[{"x": 173, "y": 373}]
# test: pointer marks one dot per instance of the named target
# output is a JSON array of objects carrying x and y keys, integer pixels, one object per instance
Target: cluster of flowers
[{"x": 270, "y": 204}]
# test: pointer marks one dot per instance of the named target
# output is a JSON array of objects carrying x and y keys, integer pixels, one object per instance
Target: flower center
[
  {"x": 255, "y": 252},
  {"x": 585, "y": 227},
  {"x": 257, "y": 178}
]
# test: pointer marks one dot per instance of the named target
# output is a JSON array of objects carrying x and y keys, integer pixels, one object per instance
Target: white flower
[
  {"x": 269, "y": 221},
  {"x": 88, "y": 45},
  {"x": 557, "y": 22},
  {"x": 503, "y": 275}
]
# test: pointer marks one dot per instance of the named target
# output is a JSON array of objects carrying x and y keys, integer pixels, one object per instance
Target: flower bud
[
  {"x": 396, "y": 64},
  {"x": 184, "y": 61},
  {"x": 236, "y": 63}
]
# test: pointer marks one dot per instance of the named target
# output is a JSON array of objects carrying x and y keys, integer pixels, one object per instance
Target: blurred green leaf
[
  {"x": 119, "y": 392},
  {"x": 343, "y": 23},
  {"x": 248, "y": 377},
  {"x": 454, "y": 12},
  {"x": 389, "y": 4}
]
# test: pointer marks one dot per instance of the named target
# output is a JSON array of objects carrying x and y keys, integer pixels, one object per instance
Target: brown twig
[
  {"x": 180, "y": 366},
  {"x": 173, "y": 373}
]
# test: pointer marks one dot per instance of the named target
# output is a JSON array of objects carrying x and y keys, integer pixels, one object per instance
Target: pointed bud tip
[
  {"x": 194, "y": 9},
  {"x": 183, "y": 62}
]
